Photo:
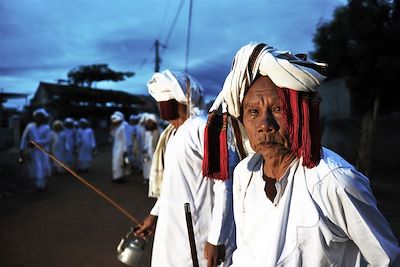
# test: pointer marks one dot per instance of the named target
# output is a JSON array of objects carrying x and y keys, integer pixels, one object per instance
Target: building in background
[
  {"x": 96, "y": 105},
  {"x": 10, "y": 130}
]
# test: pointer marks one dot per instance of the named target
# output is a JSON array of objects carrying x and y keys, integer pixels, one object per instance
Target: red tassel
[
  {"x": 223, "y": 150},
  {"x": 215, "y": 159},
  {"x": 295, "y": 123},
  {"x": 302, "y": 117}
]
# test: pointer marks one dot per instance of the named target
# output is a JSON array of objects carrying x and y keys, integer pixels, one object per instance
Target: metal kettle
[{"x": 130, "y": 249}]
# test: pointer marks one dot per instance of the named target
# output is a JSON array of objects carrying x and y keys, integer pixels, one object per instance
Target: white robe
[
  {"x": 86, "y": 143},
  {"x": 57, "y": 148},
  {"x": 118, "y": 149},
  {"x": 38, "y": 163},
  {"x": 327, "y": 216},
  {"x": 149, "y": 145},
  {"x": 137, "y": 146},
  {"x": 69, "y": 146},
  {"x": 210, "y": 202}
]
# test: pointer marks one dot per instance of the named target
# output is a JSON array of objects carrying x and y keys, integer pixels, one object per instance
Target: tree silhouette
[
  {"x": 360, "y": 44},
  {"x": 86, "y": 75}
]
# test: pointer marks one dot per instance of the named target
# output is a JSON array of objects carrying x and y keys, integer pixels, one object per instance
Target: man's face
[
  {"x": 263, "y": 119},
  {"x": 39, "y": 119}
]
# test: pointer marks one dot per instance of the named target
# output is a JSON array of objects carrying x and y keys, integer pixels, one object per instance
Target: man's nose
[{"x": 267, "y": 122}]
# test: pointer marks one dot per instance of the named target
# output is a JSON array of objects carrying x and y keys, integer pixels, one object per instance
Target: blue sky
[{"x": 41, "y": 40}]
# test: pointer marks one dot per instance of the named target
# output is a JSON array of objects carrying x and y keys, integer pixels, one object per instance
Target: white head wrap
[
  {"x": 283, "y": 68},
  {"x": 134, "y": 117},
  {"x": 83, "y": 120},
  {"x": 68, "y": 121},
  {"x": 169, "y": 85},
  {"x": 41, "y": 111},
  {"x": 117, "y": 116},
  {"x": 152, "y": 117}
]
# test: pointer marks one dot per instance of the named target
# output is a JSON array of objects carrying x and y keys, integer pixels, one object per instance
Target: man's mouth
[{"x": 267, "y": 143}]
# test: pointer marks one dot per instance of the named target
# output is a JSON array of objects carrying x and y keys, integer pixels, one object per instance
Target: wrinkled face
[{"x": 263, "y": 119}]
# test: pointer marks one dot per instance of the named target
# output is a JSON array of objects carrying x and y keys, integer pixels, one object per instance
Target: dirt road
[{"x": 68, "y": 224}]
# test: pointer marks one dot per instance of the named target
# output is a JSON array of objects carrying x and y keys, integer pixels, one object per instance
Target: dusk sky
[{"x": 41, "y": 40}]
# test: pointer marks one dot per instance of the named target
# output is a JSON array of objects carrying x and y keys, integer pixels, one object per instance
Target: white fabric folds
[
  {"x": 167, "y": 85},
  {"x": 41, "y": 111},
  {"x": 284, "y": 69}
]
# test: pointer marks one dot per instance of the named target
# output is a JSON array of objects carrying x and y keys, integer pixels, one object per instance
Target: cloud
[{"x": 43, "y": 40}]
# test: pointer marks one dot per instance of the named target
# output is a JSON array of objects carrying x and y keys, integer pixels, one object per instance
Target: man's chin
[{"x": 271, "y": 150}]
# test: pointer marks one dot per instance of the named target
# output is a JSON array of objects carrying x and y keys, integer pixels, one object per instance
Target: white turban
[
  {"x": 283, "y": 68},
  {"x": 40, "y": 111},
  {"x": 83, "y": 120},
  {"x": 117, "y": 116},
  {"x": 69, "y": 121},
  {"x": 151, "y": 117},
  {"x": 167, "y": 85},
  {"x": 134, "y": 117}
]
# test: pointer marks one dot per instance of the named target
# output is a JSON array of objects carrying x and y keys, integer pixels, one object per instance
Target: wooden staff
[
  {"x": 108, "y": 199},
  {"x": 192, "y": 242}
]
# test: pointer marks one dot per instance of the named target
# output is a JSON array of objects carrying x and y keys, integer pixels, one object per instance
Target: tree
[
  {"x": 360, "y": 44},
  {"x": 86, "y": 75}
]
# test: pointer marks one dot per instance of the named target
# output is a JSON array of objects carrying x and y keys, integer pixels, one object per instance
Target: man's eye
[
  {"x": 277, "y": 109},
  {"x": 253, "y": 111}
]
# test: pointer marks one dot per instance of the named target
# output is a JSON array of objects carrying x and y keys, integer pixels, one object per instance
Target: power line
[
  {"x": 163, "y": 20},
  {"x": 146, "y": 57},
  {"x": 174, "y": 23},
  {"x": 188, "y": 35}
]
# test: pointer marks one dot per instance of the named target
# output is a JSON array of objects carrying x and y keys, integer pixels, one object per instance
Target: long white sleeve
[
  {"x": 155, "y": 210},
  {"x": 351, "y": 206}
]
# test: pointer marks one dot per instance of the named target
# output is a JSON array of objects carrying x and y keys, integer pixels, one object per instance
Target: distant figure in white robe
[
  {"x": 86, "y": 145},
  {"x": 70, "y": 142},
  {"x": 139, "y": 142},
  {"x": 120, "y": 160},
  {"x": 150, "y": 139},
  {"x": 136, "y": 143},
  {"x": 37, "y": 162},
  {"x": 57, "y": 144}
]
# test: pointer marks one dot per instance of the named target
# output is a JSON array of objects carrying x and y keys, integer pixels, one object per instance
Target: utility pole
[
  {"x": 188, "y": 35},
  {"x": 157, "y": 59}
]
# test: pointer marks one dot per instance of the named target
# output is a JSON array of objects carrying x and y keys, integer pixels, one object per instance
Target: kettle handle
[{"x": 121, "y": 246}]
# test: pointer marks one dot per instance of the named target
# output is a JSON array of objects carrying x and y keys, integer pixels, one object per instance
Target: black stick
[{"x": 192, "y": 243}]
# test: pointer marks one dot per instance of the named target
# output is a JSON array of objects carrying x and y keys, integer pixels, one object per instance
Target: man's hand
[
  {"x": 147, "y": 228},
  {"x": 214, "y": 254}
]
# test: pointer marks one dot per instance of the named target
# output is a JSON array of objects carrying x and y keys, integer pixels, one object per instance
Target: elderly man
[
  {"x": 38, "y": 162},
  {"x": 295, "y": 202},
  {"x": 180, "y": 98}
]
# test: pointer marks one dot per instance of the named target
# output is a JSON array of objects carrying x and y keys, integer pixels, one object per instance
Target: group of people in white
[
  {"x": 72, "y": 142},
  {"x": 133, "y": 144},
  {"x": 261, "y": 188}
]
